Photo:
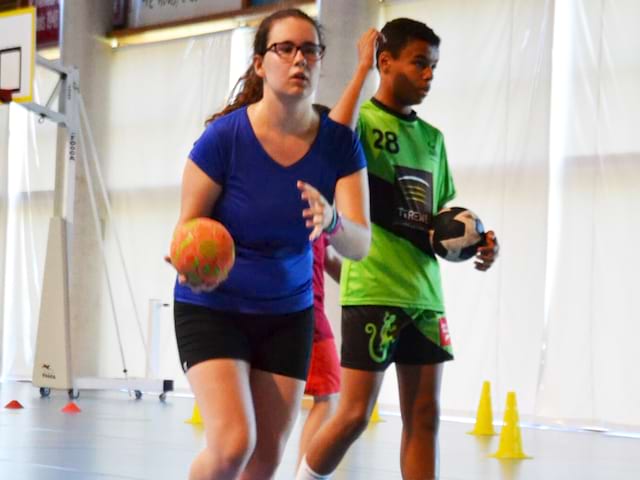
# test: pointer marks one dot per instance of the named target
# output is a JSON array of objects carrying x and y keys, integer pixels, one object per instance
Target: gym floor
[{"x": 115, "y": 437}]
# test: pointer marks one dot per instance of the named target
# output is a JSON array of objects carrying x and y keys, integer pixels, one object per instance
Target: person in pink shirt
[{"x": 323, "y": 380}]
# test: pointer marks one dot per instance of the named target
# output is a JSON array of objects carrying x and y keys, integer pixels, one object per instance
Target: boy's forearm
[{"x": 345, "y": 111}]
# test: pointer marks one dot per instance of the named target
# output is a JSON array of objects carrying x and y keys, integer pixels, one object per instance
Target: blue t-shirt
[{"x": 261, "y": 207}]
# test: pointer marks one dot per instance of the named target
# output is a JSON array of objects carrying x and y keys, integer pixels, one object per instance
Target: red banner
[{"x": 47, "y": 22}]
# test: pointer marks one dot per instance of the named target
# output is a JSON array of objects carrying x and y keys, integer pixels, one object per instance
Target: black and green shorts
[{"x": 375, "y": 336}]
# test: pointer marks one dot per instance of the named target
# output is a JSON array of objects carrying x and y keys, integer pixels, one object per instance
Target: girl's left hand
[{"x": 319, "y": 214}]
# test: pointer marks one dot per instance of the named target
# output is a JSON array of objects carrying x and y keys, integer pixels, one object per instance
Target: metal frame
[{"x": 52, "y": 367}]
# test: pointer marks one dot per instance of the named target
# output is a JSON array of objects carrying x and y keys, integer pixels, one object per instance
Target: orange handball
[{"x": 202, "y": 250}]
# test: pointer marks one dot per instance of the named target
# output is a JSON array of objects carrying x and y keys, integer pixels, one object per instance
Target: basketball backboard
[{"x": 17, "y": 52}]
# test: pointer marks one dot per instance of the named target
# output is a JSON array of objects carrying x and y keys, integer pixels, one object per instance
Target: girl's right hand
[{"x": 320, "y": 212}]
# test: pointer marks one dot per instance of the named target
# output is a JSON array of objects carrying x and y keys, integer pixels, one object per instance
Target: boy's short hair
[{"x": 397, "y": 33}]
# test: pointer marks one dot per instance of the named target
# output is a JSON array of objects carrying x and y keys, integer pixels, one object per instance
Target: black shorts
[
  {"x": 274, "y": 343},
  {"x": 375, "y": 336}
]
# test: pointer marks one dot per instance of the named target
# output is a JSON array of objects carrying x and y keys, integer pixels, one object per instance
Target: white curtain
[
  {"x": 539, "y": 105},
  {"x": 30, "y": 176},
  {"x": 538, "y": 102},
  {"x": 161, "y": 95},
  {"x": 592, "y": 330},
  {"x": 4, "y": 201}
]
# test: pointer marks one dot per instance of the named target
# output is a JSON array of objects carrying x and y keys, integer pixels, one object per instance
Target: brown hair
[{"x": 248, "y": 88}]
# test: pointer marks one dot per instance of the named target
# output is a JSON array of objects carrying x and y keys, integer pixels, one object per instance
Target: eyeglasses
[{"x": 312, "y": 52}]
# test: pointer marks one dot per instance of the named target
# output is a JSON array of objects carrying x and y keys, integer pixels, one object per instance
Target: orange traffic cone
[
  {"x": 13, "y": 405},
  {"x": 196, "y": 418},
  {"x": 71, "y": 408},
  {"x": 510, "y": 440},
  {"x": 484, "y": 417}
]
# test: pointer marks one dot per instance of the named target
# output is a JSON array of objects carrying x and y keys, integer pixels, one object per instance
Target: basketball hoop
[
  {"x": 6, "y": 96},
  {"x": 17, "y": 54}
]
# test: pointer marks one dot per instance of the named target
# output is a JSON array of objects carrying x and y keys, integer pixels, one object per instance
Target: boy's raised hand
[{"x": 367, "y": 48}]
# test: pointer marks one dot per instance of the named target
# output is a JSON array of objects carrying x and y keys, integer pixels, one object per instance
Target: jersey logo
[
  {"x": 445, "y": 338},
  {"x": 414, "y": 193}
]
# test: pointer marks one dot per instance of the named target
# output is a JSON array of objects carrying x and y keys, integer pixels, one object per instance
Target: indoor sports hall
[{"x": 538, "y": 101}]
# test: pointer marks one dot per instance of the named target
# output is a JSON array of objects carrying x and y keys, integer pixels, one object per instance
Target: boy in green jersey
[{"x": 393, "y": 309}]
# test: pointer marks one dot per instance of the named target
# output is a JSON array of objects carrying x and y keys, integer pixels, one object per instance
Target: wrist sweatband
[{"x": 336, "y": 224}]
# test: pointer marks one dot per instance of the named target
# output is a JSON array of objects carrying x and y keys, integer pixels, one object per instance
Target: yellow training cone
[
  {"x": 375, "y": 415},
  {"x": 195, "y": 419},
  {"x": 484, "y": 417},
  {"x": 510, "y": 441}
]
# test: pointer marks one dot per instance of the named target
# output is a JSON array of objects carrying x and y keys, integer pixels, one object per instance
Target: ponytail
[{"x": 250, "y": 91}]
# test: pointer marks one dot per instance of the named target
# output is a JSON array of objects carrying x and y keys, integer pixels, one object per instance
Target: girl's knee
[
  {"x": 264, "y": 461},
  {"x": 228, "y": 452}
]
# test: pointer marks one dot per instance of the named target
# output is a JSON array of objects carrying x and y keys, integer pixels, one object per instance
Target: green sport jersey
[{"x": 409, "y": 181}]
